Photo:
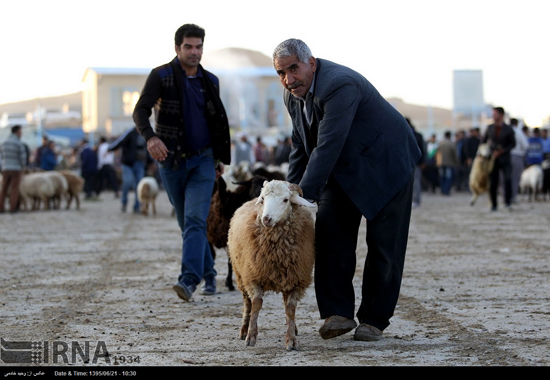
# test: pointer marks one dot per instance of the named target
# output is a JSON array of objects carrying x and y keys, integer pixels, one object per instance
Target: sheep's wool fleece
[{"x": 278, "y": 258}]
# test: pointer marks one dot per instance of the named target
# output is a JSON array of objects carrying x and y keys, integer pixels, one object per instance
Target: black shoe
[
  {"x": 367, "y": 333},
  {"x": 184, "y": 291},
  {"x": 209, "y": 286}
]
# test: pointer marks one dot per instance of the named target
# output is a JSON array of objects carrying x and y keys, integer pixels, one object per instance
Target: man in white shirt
[
  {"x": 106, "y": 167},
  {"x": 518, "y": 157}
]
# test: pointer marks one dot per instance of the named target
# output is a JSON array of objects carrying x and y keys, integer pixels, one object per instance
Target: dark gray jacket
[{"x": 363, "y": 142}]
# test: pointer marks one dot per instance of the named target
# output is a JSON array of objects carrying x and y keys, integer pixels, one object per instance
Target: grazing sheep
[
  {"x": 531, "y": 182},
  {"x": 36, "y": 188},
  {"x": 61, "y": 187},
  {"x": 76, "y": 183},
  {"x": 481, "y": 169},
  {"x": 222, "y": 207},
  {"x": 147, "y": 191},
  {"x": 271, "y": 246}
]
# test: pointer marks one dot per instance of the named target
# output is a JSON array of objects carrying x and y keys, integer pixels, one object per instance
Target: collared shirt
[
  {"x": 197, "y": 135},
  {"x": 308, "y": 102}
]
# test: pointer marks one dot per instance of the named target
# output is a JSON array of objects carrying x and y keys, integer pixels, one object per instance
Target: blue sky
[{"x": 407, "y": 49}]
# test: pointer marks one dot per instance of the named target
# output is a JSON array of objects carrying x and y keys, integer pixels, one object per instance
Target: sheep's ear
[
  {"x": 260, "y": 201},
  {"x": 298, "y": 200}
]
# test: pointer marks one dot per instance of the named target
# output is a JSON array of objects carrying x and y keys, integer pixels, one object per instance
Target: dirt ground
[{"x": 476, "y": 292}]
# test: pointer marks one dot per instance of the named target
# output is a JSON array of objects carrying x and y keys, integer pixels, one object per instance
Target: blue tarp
[{"x": 74, "y": 134}]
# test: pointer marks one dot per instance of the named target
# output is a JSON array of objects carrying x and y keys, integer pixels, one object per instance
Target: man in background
[
  {"x": 14, "y": 159},
  {"x": 501, "y": 139}
]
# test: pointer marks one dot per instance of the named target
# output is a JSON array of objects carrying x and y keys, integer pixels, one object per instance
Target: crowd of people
[
  {"x": 447, "y": 161},
  {"x": 242, "y": 150}
]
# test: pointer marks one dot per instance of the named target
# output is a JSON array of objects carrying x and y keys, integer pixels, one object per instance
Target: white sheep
[
  {"x": 147, "y": 191},
  {"x": 271, "y": 247},
  {"x": 61, "y": 187},
  {"x": 236, "y": 173},
  {"x": 530, "y": 182},
  {"x": 36, "y": 188},
  {"x": 481, "y": 169}
]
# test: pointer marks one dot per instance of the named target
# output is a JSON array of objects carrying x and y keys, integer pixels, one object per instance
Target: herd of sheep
[{"x": 47, "y": 189}]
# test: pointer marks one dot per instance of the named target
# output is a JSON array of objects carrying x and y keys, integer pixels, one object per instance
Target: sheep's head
[
  {"x": 484, "y": 150},
  {"x": 277, "y": 198}
]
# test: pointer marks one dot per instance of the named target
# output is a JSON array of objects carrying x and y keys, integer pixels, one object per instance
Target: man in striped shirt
[{"x": 14, "y": 158}]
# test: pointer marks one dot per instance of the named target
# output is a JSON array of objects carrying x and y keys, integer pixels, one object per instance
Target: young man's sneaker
[
  {"x": 184, "y": 291},
  {"x": 209, "y": 286}
]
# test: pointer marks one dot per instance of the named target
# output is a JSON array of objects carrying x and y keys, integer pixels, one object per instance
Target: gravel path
[{"x": 475, "y": 292}]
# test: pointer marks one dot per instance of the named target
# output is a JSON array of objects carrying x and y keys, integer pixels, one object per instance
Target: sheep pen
[{"x": 271, "y": 246}]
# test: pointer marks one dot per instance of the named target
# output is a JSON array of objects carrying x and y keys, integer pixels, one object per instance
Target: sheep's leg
[
  {"x": 474, "y": 198},
  {"x": 46, "y": 201},
  {"x": 247, "y": 306},
  {"x": 69, "y": 199},
  {"x": 290, "y": 300},
  {"x": 256, "y": 305},
  {"x": 229, "y": 278},
  {"x": 154, "y": 208}
]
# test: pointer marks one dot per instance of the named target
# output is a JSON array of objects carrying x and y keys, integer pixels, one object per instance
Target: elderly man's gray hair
[{"x": 291, "y": 47}]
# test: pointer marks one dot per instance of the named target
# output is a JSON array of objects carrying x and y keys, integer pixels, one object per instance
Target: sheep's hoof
[
  {"x": 291, "y": 344},
  {"x": 250, "y": 341},
  {"x": 243, "y": 333}
]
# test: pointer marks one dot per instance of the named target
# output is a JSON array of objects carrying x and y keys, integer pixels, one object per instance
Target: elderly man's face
[{"x": 295, "y": 76}]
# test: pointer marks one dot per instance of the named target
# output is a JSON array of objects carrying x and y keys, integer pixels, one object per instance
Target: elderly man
[{"x": 355, "y": 155}]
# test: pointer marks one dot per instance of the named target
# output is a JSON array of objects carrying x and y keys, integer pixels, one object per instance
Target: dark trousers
[
  {"x": 506, "y": 167},
  {"x": 337, "y": 226},
  {"x": 106, "y": 174},
  {"x": 89, "y": 182},
  {"x": 10, "y": 187}
]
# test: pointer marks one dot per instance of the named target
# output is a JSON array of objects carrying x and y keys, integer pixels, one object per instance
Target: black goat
[{"x": 223, "y": 205}]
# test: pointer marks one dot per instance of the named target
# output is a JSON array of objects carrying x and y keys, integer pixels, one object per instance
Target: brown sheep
[
  {"x": 481, "y": 169},
  {"x": 271, "y": 246},
  {"x": 76, "y": 183}
]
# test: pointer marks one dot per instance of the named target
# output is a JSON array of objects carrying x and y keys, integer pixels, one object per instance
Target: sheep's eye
[{"x": 286, "y": 200}]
